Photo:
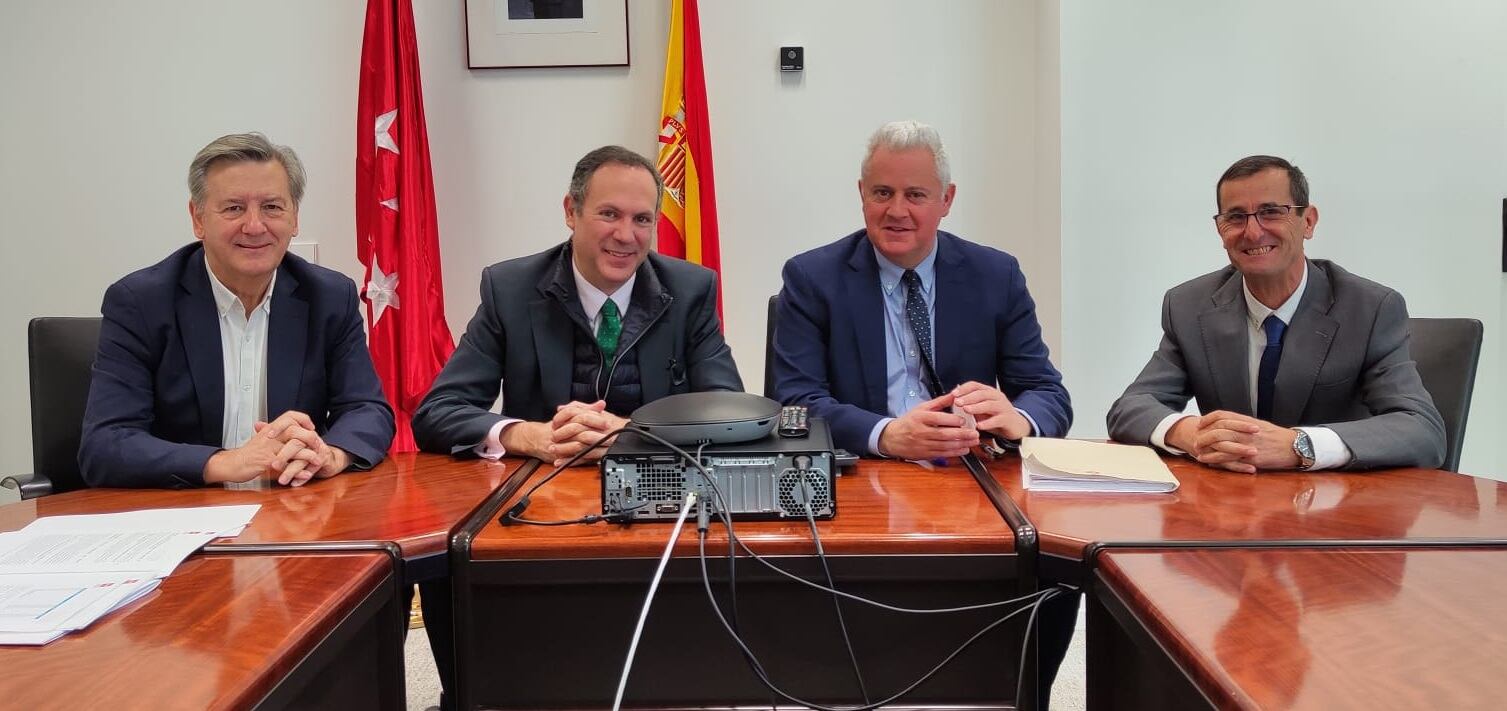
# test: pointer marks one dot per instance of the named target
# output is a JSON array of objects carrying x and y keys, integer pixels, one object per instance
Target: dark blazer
[
  {"x": 1345, "y": 365},
  {"x": 156, "y": 402},
  {"x": 829, "y": 342},
  {"x": 522, "y": 336}
]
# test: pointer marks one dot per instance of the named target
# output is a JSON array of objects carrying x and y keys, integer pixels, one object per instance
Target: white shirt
[
  {"x": 592, "y": 300},
  {"x": 243, "y": 347},
  {"x": 1329, "y": 451}
]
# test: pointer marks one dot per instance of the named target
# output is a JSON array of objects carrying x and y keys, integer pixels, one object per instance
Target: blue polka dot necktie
[
  {"x": 920, "y": 326},
  {"x": 1266, "y": 375}
]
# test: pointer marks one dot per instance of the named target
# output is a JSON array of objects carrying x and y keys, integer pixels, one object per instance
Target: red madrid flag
[
  {"x": 396, "y": 234},
  {"x": 688, "y": 215}
]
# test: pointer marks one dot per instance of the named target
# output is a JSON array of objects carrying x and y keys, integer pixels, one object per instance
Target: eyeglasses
[{"x": 1265, "y": 215}]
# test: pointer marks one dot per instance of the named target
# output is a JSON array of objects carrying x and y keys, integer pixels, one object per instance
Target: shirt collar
[
  {"x": 592, "y": 298},
  {"x": 1257, "y": 311},
  {"x": 890, "y": 273},
  {"x": 225, "y": 299}
]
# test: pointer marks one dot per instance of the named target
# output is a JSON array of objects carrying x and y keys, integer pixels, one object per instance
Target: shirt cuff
[
  {"x": 874, "y": 436},
  {"x": 1329, "y": 451},
  {"x": 1035, "y": 431},
  {"x": 491, "y": 447},
  {"x": 1159, "y": 435}
]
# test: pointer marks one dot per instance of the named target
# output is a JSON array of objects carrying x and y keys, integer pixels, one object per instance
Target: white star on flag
[
  {"x": 390, "y": 204},
  {"x": 381, "y": 291},
  {"x": 384, "y": 131}
]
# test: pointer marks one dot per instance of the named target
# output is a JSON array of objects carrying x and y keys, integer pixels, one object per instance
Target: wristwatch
[{"x": 1303, "y": 447}]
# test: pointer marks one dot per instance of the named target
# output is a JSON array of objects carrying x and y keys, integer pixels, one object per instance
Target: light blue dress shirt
[{"x": 905, "y": 386}]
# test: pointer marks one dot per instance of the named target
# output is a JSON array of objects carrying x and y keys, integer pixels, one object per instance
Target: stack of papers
[
  {"x": 1078, "y": 465},
  {"x": 62, "y": 573}
]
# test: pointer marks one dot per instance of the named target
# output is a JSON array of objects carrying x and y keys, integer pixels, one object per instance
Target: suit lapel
[
  {"x": 1304, "y": 348},
  {"x": 656, "y": 352},
  {"x": 551, "y": 326},
  {"x": 199, "y": 329},
  {"x": 1226, "y": 342},
  {"x": 861, "y": 287},
  {"x": 287, "y": 341},
  {"x": 951, "y": 311}
]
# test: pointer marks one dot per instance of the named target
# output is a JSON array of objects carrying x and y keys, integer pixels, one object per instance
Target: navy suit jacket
[
  {"x": 829, "y": 351},
  {"x": 156, "y": 401}
]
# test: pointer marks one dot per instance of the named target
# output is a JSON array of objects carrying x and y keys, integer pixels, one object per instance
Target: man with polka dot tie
[{"x": 915, "y": 344}]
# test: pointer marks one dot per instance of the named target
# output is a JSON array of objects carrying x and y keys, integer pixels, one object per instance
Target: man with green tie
[
  {"x": 575, "y": 338},
  {"x": 580, "y": 335}
]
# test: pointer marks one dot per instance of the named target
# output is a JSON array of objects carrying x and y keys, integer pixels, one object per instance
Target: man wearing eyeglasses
[{"x": 1296, "y": 363}]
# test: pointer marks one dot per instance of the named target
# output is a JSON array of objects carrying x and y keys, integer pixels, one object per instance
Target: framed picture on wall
[{"x": 546, "y": 33}]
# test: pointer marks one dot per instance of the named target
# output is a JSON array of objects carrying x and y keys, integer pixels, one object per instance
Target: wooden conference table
[
  {"x": 551, "y": 602},
  {"x": 411, "y": 500},
  {"x": 1222, "y": 593},
  {"x": 266, "y": 613},
  {"x": 1214, "y": 507},
  {"x": 549, "y": 611},
  {"x": 1319, "y": 628},
  {"x": 232, "y": 632}
]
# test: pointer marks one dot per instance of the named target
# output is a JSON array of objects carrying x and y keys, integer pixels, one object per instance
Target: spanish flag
[{"x": 688, "y": 215}]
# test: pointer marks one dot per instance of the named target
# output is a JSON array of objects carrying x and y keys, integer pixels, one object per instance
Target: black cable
[
  {"x": 758, "y": 668},
  {"x": 723, "y": 516},
  {"x": 732, "y": 551},
  {"x": 728, "y": 526},
  {"x": 821, "y": 555},
  {"x": 1025, "y": 641},
  {"x": 615, "y": 517},
  {"x": 514, "y": 512}
]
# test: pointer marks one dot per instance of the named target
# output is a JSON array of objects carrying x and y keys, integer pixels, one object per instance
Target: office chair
[
  {"x": 774, "y": 309},
  {"x": 60, "y": 352},
  {"x": 1447, "y": 351}
]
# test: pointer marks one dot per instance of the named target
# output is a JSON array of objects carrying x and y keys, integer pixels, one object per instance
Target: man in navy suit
[
  {"x": 858, "y": 345},
  {"x": 911, "y": 342},
  {"x": 231, "y": 361}
]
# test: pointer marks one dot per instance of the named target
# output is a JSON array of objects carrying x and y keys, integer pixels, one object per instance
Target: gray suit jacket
[
  {"x": 521, "y": 341},
  {"x": 1345, "y": 365}
]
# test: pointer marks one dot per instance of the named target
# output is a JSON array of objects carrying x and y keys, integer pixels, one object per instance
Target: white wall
[
  {"x": 105, "y": 103},
  {"x": 1395, "y": 111}
]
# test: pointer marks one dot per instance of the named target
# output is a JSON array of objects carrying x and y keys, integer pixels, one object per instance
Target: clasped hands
[
  {"x": 1230, "y": 440},
  {"x": 932, "y": 429},
  {"x": 288, "y": 448},
  {"x": 575, "y": 426}
]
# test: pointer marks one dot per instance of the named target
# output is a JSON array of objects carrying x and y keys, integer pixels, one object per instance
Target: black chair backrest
[
  {"x": 1447, "y": 351},
  {"x": 774, "y": 309},
  {"x": 61, "y": 354}
]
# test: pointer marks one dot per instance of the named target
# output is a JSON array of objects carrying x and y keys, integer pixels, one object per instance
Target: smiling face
[
  {"x": 903, "y": 202},
  {"x": 246, "y": 222},
  {"x": 613, "y": 226},
  {"x": 1266, "y": 251}
]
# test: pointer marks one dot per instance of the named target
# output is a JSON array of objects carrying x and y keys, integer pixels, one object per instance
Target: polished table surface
[
  {"x": 1216, "y": 505},
  {"x": 1326, "y": 628},
  {"x": 220, "y": 632},
  {"x": 410, "y": 499},
  {"x": 883, "y": 507}
]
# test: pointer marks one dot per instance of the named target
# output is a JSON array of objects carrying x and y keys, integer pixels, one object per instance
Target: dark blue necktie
[
  {"x": 920, "y": 326},
  {"x": 1266, "y": 376}
]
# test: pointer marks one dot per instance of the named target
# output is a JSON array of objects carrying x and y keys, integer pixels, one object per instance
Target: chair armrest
[{"x": 28, "y": 486}]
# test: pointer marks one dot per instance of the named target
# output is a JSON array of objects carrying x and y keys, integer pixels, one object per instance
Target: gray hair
[
  {"x": 904, "y": 135},
  {"x": 615, "y": 155},
  {"x": 243, "y": 148}
]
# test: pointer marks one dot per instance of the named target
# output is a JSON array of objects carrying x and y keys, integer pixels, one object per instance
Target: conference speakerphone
[{"x": 770, "y": 478}]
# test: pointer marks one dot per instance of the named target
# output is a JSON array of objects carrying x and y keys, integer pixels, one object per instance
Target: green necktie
[{"x": 608, "y": 330}]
